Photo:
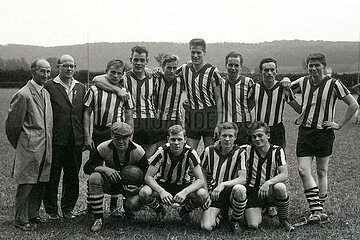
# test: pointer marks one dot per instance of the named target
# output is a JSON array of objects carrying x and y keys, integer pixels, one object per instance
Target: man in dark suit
[
  {"x": 67, "y": 96},
  {"x": 29, "y": 130}
]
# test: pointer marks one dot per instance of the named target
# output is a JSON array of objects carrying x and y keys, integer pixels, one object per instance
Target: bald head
[{"x": 66, "y": 65}]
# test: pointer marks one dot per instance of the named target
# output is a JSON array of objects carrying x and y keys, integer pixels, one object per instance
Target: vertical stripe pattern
[
  {"x": 318, "y": 101},
  {"x": 174, "y": 169},
  {"x": 143, "y": 93},
  {"x": 260, "y": 169},
  {"x": 167, "y": 98},
  {"x": 200, "y": 85},
  {"x": 107, "y": 107},
  {"x": 235, "y": 99},
  {"x": 269, "y": 103},
  {"x": 222, "y": 168}
]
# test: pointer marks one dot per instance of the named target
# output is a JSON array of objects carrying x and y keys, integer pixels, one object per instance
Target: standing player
[
  {"x": 224, "y": 165},
  {"x": 142, "y": 87},
  {"x": 107, "y": 108},
  {"x": 203, "y": 109},
  {"x": 266, "y": 173},
  {"x": 234, "y": 93},
  {"x": 103, "y": 167},
  {"x": 169, "y": 88},
  {"x": 316, "y": 131},
  {"x": 169, "y": 177},
  {"x": 269, "y": 97}
]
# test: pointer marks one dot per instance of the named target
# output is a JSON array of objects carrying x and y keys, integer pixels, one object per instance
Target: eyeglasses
[{"x": 71, "y": 66}]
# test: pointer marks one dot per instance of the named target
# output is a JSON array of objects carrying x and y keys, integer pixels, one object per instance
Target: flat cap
[{"x": 122, "y": 129}]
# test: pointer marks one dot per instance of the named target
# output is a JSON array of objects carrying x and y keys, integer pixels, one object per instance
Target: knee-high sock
[
  {"x": 312, "y": 196},
  {"x": 189, "y": 206},
  {"x": 282, "y": 206},
  {"x": 96, "y": 205},
  {"x": 238, "y": 208}
]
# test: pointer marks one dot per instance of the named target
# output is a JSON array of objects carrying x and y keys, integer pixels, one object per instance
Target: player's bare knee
[
  {"x": 239, "y": 192},
  {"x": 145, "y": 193},
  {"x": 280, "y": 190},
  {"x": 202, "y": 195},
  {"x": 303, "y": 172},
  {"x": 95, "y": 179},
  {"x": 322, "y": 173}
]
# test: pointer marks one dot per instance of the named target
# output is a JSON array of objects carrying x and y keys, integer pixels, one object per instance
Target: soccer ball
[{"x": 132, "y": 175}]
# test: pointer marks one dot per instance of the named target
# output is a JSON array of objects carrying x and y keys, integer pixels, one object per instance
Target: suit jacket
[
  {"x": 68, "y": 117},
  {"x": 29, "y": 130}
]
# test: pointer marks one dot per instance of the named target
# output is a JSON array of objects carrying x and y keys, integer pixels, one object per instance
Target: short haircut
[
  {"x": 175, "y": 129},
  {"x": 59, "y": 59},
  {"x": 259, "y": 124},
  {"x": 169, "y": 58},
  {"x": 267, "y": 60},
  {"x": 198, "y": 42},
  {"x": 316, "y": 56},
  {"x": 140, "y": 50},
  {"x": 117, "y": 63},
  {"x": 34, "y": 64},
  {"x": 234, "y": 54},
  {"x": 227, "y": 125}
]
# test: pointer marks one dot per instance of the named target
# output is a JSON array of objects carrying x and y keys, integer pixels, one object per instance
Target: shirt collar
[
  {"x": 58, "y": 80},
  {"x": 37, "y": 86}
]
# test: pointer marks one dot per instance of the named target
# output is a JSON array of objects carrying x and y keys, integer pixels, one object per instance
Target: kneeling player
[
  {"x": 266, "y": 174},
  {"x": 117, "y": 153},
  {"x": 169, "y": 177},
  {"x": 223, "y": 166}
]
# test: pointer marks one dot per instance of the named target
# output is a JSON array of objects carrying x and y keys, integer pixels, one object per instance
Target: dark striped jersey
[
  {"x": 143, "y": 93},
  {"x": 200, "y": 85},
  {"x": 269, "y": 103},
  {"x": 174, "y": 169},
  {"x": 167, "y": 98},
  {"x": 222, "y": 168},
  {"x": 318, "y": 101},
  {"x": 235, "y": 100},
  {"x": 107, "y": 107},
  {"x": 260, "y": 169}
]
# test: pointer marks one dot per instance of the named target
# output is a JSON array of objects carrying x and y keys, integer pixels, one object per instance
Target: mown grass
[{"x": 343, "y": 206}]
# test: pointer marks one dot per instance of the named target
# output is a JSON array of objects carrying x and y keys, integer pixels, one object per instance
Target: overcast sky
[{"x": 68, "y": 22}]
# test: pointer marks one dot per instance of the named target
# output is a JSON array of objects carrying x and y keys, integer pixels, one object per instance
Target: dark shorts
[
  {"x": 314, "y": 142},
  {"x": 254, "y": 201},
  {"x": 101, "y": 134},
  {"x": 277, "y": 135},
  {"x": 146, "y": 131},
  {"x": 164, "y": 126},
  {"x": 200, "y": 122},
  {"x": 173, "y": 189},
  {"x": 224, "y": 199}
]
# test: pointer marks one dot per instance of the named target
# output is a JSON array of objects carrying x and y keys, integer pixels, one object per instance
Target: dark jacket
[{"x": 68, "y": 117}]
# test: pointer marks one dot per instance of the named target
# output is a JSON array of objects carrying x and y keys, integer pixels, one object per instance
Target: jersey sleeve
[
  {"x": 129, "y": 103},
  {"x": 340, "y": 90},
  {"x": 297, "y": 84},
  {"x": 89, "y": 98},
  {"x": 157, "y": 158},
  {"x": 280, "y": 157},
  {"x": 194, "y": 158},
  {"x": 216, "y": 78}
]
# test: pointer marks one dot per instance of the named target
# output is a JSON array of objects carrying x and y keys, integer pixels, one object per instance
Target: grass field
[{"x": 343, "y": 206}]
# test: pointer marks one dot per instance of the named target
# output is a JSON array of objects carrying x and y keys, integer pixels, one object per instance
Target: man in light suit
[
  {"x": 29, "y": 130},
  {"x": 67, "y": 99}
]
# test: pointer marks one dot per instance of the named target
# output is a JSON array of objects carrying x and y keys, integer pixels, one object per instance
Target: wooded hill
[{"x": 342, "y": 56}]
